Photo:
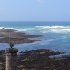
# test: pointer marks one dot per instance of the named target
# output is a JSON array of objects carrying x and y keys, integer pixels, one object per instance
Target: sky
[{"x": 34, "y": 10}]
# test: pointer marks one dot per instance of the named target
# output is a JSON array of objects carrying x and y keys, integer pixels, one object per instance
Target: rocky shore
[{"x": 38, "y": 60}]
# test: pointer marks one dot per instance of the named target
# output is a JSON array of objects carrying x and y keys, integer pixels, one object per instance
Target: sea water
[{"x": 55, "y": 35}]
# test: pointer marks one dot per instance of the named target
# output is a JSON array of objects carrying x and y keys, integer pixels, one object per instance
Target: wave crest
[
  {"x": 44, "y": 29},
  {"x": 56, "y": 29}
]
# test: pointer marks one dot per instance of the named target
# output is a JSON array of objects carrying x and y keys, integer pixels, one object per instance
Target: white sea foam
[
  {"x": 53, "y": 27},
  {"x": 44, "y": 29},
  {"x": 7, "y": 28},
  {"x": 1, "y": 27},
  {"x": 56, "y": 29}
]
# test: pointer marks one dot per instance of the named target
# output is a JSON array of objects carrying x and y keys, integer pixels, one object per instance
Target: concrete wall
[{"x": 11, "y": 59}]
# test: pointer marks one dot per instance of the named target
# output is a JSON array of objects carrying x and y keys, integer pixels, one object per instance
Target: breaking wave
[
  {"x": 44, "y": 29},
  {"x": 56, "y": 29}
]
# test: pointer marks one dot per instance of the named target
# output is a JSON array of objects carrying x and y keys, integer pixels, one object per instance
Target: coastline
[{"x": 53, "y": 36}]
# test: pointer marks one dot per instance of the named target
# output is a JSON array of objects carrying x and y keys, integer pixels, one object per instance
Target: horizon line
[{"x": 34, "y": 21}]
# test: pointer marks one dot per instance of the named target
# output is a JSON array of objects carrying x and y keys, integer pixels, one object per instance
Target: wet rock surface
[{"x": 38, "y": 60}]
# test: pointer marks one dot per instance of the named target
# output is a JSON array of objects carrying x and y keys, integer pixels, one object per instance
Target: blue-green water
[{"x": 56, "y": 35}]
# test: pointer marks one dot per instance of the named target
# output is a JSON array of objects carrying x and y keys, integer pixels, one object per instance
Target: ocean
[{"x": 55, "y": 35}]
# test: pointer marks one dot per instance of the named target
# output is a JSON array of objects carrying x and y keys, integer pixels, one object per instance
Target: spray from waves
[
  {"x": 2, "y": 27},
  {"x": 43, "y": 29},
  {"x": 55, "y": 29},
  {"x": 46, "y": 29}
]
